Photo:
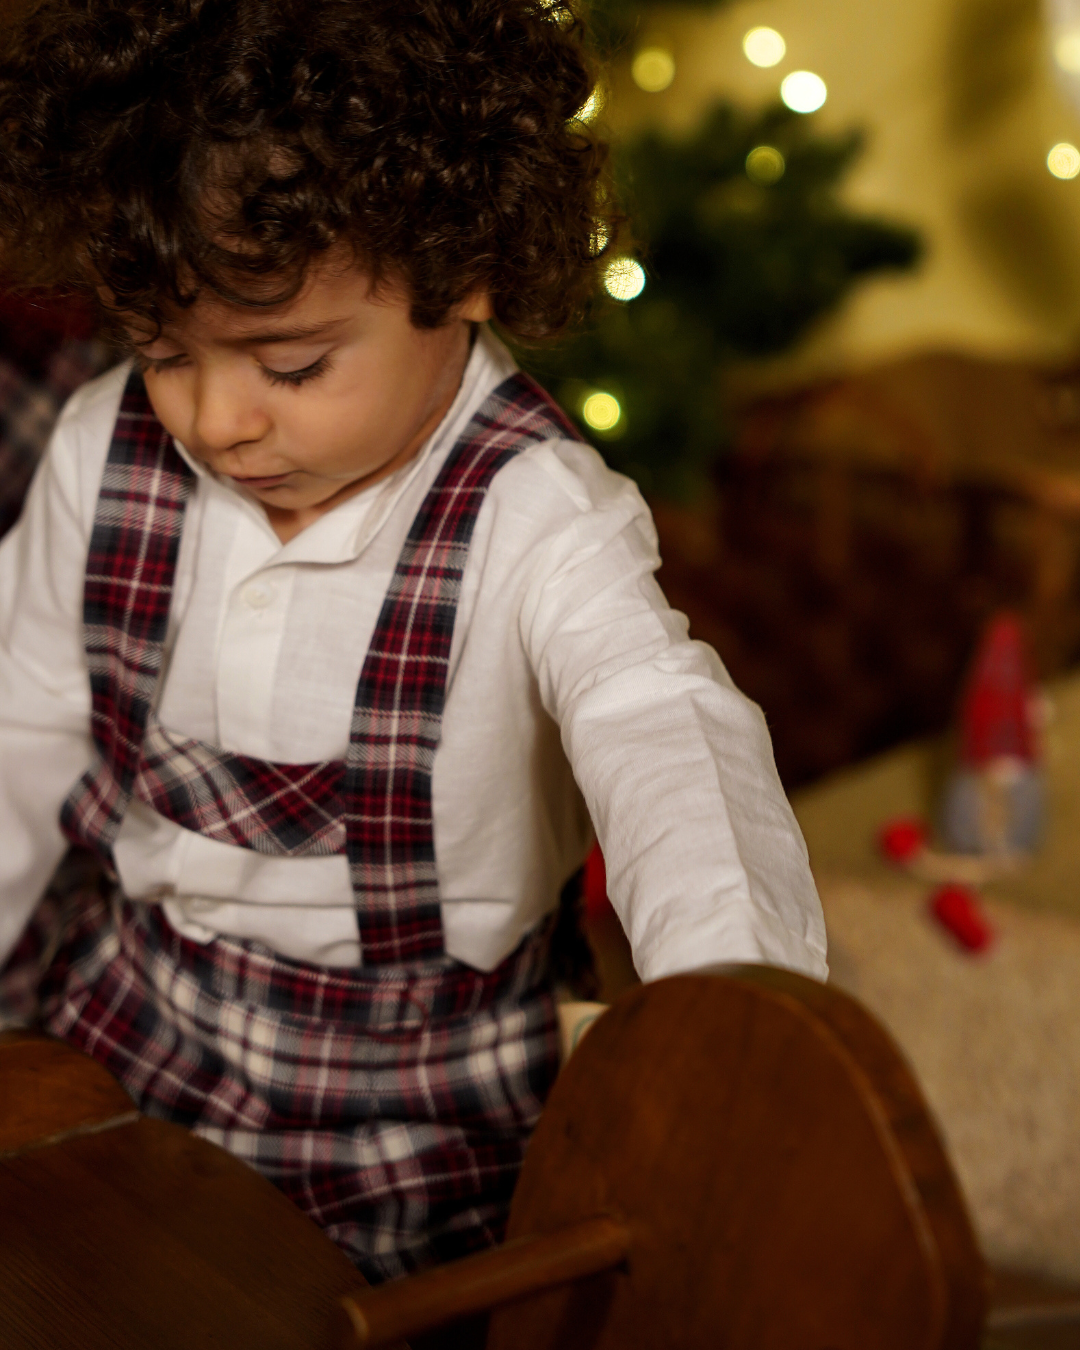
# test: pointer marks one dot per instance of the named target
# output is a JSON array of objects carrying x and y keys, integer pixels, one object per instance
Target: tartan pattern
[
  {"x": 376, "y": 804},
  {"x": 400, "y": 697},
  {"x": 129, "y": 574},
  {"x": 22, "y": 976},
  {"x": 291, "y": 810},
  {"x": 392, "y": 1106},
  {"x": 29, "y": 408}
]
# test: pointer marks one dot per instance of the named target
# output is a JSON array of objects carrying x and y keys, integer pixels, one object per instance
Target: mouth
[{"x": 255, "y": 484}]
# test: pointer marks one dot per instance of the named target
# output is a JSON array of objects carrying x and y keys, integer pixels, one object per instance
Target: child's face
[{"x": 305, "y": 403}]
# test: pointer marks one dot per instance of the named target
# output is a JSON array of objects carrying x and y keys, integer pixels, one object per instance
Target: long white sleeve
[
  {"x": 705, "y": 859},
  {"x": 44, "y": 695}
]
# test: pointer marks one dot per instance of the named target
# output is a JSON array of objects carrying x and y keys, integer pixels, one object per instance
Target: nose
[{"x": 228, "y": 414}]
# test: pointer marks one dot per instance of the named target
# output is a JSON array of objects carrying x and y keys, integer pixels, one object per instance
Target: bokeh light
[
  {"x": 601, "y": 411},
  {"x": 765, "y": 165},
  {"x": 624, "y": 278},
  {"x": 1067, "y": 51},
  {"x": 764, "y": 47},
  {"x": 803, "y": 91},
  {"x": 653, "y": 69},
  {"x": 1063, "y": 161}
]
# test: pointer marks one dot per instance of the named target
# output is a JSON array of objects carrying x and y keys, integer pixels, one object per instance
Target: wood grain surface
[
  {"x": 47, "y": 1090},
  {"x": 503, "y": 1274},
  {"x": 776, "y": 1164},
  {"x": 755, "y": 1139},
  {"x": 141, "y": 1236}
]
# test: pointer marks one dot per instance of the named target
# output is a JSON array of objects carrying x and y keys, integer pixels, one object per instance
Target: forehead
[{"x": 333, "y": 294}]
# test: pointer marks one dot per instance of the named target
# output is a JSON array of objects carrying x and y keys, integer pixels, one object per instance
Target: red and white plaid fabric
[
  {"x": 289, "y": 810},
  {"x": 393, "y": 1105},
  {"x": 126, "y": 600},
  {"x": 399, "y": 701},
  {"x": 376, "y": 804}
]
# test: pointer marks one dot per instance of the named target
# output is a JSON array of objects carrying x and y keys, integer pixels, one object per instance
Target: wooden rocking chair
[{"x": 737, "y": 1159}]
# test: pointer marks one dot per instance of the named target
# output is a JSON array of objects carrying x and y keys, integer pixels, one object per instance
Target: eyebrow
[{"x": 296, "y": 334}]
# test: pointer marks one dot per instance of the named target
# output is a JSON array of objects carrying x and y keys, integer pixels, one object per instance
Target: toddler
[{"x": 321, "y": 627}]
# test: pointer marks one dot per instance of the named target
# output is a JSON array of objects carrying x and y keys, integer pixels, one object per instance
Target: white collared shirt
[{"x": 574, "y": 693}]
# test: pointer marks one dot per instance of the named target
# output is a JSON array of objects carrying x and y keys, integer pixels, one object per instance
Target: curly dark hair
[{"x": 159, "y": 147}]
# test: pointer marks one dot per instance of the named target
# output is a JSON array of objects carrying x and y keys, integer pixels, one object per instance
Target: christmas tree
[{"x": 742, "y": 242}]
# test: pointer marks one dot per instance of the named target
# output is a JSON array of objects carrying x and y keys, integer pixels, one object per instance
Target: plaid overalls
[{"x": 392, "y": 1103}]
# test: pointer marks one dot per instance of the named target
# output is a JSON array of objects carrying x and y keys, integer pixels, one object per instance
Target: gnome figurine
[{"x": 993, "y": 802}]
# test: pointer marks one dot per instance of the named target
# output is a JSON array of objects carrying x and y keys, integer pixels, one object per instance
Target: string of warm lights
[
  {"x": 765, "y": 165},
  {"x": 764, "y": 47},
  {"x": 804, "y": 91},
  {"x": 1063, "y": 161},
  {"x": 601, "y": 411},
  {"x": 653, "y": 70},
  {"x": 1063, "y": 18},
  {"x": 619, "y": 380},
  {"x": 624, "y": 280}
]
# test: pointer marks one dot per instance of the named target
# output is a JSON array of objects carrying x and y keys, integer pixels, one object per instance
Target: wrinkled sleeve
[
  {"x": 705, "y": 860},
  {"x": 44, "y": 694}
]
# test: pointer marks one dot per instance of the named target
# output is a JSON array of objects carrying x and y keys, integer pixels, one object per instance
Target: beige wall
[{"x": 961, "y": 105}]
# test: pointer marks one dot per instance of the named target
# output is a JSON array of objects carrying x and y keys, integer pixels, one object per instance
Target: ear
[{"x": 476, "y": 308}]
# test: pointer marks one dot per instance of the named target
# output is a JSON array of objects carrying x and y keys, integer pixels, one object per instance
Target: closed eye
[
  {"x": 158, "y": 364},
  {"x": 295, "y": 378},
  {"x": 298, "y": 377}
]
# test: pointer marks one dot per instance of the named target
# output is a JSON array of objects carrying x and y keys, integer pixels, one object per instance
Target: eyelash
[
  {"x": 293, "y": 378},
  {"x": 299, "y": 377}
]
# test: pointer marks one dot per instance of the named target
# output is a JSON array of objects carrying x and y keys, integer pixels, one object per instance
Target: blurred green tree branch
[{"x": 735, "y": 269}]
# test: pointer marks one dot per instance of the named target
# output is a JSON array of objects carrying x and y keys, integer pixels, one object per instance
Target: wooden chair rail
[{"x": 403, "y": 1308}]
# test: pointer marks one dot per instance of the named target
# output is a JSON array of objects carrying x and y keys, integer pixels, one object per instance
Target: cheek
[
  {"x": 167, "y": 400},
  {"x": 428, "y": 368},
  {"x": 385, "y": 398},
  {"x": 334, "y": 437}
]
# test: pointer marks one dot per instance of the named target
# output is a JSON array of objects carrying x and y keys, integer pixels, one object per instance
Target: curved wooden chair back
[{"x": 737, "y": 1159}]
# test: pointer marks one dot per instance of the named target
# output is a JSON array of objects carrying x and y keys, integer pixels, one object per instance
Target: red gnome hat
[{"x": 995, "y": 711}]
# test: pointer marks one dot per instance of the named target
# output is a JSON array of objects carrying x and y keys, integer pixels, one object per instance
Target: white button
[{"x": 258, "y": 597}]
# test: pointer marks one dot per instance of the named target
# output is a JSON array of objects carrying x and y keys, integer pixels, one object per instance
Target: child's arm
[
  {"x": 44, "y": 698},
  {"x": 705, "y": 861}
]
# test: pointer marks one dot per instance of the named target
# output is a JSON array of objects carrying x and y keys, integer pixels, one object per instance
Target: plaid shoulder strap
[
  {"x": 377, "y": 804},
  {"x": 289, "y": 810},
  {"x": 126, "y": 600},
  {"x": 397, "y": 720}
]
